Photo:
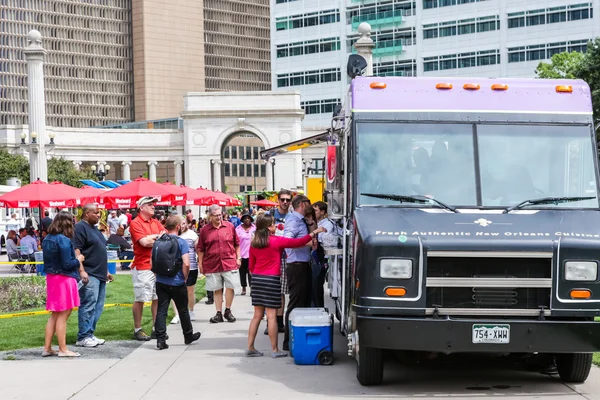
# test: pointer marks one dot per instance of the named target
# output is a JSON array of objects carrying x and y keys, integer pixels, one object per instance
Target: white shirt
[
  {"x": 123, "y": 220},
  {"x": 13, "y": 225},
  {"x": 329, "y": 238}
]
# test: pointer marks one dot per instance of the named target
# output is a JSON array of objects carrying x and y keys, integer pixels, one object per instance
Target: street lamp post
[{"x": 100, "y": 171}]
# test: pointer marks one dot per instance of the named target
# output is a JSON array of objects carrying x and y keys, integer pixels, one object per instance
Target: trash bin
[
  {"x": 311, "y": 336},
  {"x": 39, "y": 268},
  {"x": 112, "y": 263}
]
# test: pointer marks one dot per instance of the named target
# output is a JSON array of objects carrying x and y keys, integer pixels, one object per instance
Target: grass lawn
[{"x": 116, "y": 323}]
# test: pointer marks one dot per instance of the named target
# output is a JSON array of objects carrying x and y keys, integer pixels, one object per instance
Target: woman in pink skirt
[{"x": 62, "y": 273}]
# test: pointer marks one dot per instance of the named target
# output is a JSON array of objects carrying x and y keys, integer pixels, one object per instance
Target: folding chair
[{"x": 26, "y": 268}]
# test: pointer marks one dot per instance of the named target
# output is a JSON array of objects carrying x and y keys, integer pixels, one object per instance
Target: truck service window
[
  {"x": 519, "y": 162},
  {"x": 416, "y": 159}
]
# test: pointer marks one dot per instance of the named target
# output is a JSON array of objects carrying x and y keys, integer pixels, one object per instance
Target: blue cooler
[
  {"x": 311, "y": 336},
  {"x": 39, "y": 268},
  {"x": 112, "y": 266}
]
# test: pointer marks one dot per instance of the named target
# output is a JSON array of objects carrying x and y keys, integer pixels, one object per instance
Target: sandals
[
  {"x": 253, "y": 353},
  {"x": 49, "y": 353},
  {"x": 278, "y": 354},
  {"x": 68, "y": 354}
]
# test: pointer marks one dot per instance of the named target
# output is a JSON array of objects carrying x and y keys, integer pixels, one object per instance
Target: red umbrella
[
  {"x": 42, "y": 194},
  {"x": 223, "y": 199},
  {"x": 179, "y": 193},
  {"x": 264, "y": 203},
  {"x": 126, "y": 196},
  {"x": 96, "y": 194}
]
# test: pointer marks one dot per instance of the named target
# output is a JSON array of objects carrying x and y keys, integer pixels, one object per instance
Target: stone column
[
  {"x": 77, "y": 165},
  {"x": 126, "y": 173},
  {"x": 217, "y": 183},
  {"x": 152, "y": 170},
  {"x": 178, "y": 172},
  {"x": 364, "y": 46},
  {"x": 34, "y": 54},
  {"x": 269, "y": 174}
]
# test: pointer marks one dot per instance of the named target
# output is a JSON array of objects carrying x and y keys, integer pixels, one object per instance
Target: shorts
[
  {"x": 227, "y": 279},
  {"x": 284, "y": 285},
  {"x": 192, "y": 277},
  {"x": 144, "y": 285}
]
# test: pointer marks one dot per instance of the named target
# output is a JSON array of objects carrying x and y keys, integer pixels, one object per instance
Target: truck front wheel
[
  {"x": 369, "y": 366},
  {"x": 574, "y": 368}
]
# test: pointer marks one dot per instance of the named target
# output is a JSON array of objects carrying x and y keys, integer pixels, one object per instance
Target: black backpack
[{"x": 166, "y": 256}]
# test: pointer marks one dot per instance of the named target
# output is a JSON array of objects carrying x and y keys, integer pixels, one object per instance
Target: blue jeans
[{"x": 91, "y": 306}]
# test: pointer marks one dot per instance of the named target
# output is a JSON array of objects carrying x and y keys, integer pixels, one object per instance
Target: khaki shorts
[
  {"x": 228, "y": 279},
  {"x": 144, "y": 285}
]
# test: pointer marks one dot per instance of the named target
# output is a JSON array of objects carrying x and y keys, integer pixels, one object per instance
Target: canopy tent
[
  {"x": 127, "y": 195},
  {"x": 42, "y": 194}
]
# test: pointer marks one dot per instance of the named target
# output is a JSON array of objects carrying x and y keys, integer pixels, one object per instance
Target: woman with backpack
[{"x": 265, "y": 259}]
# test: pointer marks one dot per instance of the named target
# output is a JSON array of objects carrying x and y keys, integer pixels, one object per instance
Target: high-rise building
[
  {"x": 115, "y": 61},
  {"x": 237, "y": 45},
  {"x": 489, "y": 38}
]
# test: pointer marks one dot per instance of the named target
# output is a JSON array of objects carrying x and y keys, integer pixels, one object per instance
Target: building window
[
  {"x": 263, "y": 170},
  {"x": 242, "y": 170},
  {"x": 255, "y": 151},
  {"x": 234, "y": 169},
  {"x": 226, "y": 153},
  {"x": 319, "y": 106},
  {"x": 428, "y": 4},
  {"x": 248, "y": 169},
  {"x": 544, "y": 51},
  {"x": 256, "y": 170},
  {"x": 242, "y": 188},
  {"x": 465, "y": 60},
  {"x": 249, "y": 188},
  {"x": 227, "y": 173},
  {"x": 308, "y": 47},
  {"x": 248, "y": 153},
  {"x": 234, "y": 152},
  {"x": 550, "y": 15},
  {"x": 307, "y": 20}
]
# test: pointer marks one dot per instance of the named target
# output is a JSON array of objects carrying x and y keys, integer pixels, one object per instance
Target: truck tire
[
  {"x": 369, "y": 366},
  {"x": 574, "y": 368}
]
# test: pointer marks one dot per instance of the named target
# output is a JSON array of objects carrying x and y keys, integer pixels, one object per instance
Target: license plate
[{"x": 497, "y": 334}]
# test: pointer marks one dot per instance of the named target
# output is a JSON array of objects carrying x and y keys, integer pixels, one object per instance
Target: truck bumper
[{"x": 456, "y": 335}]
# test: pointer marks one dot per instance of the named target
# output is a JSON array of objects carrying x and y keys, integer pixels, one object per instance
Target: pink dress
[{"x": 61, "y": 293}]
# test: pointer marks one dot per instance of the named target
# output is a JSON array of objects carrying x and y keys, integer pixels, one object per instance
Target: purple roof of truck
[{"x": 421, "y": 94}]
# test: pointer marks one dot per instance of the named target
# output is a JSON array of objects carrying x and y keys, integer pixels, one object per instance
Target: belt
[{"x": 299, "y": 262}]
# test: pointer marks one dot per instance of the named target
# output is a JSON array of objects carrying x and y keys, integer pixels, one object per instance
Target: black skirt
[{"x": 266, "y": 291}]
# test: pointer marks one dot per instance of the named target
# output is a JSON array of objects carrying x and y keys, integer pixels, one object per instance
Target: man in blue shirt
[
  {"x": 298, "y": 270},
  {"x": 173, "y": 288}
]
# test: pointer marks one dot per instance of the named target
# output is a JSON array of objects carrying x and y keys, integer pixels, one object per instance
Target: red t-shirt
[
  {"x": 267, "y": 261},
  {"x": 218, "y": 246},
  {"x": 140, "y": 228},
  {"x": 129, "y": 218}
]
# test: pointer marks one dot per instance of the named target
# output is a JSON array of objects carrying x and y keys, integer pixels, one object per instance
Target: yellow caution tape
[{"x": 30, "y": 313}]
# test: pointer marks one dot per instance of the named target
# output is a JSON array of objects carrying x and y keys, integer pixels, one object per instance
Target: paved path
[{"x": 215, "y": 367}]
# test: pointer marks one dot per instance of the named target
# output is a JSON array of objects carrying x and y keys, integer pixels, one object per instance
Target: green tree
[
  {"x": 13, "y": 165},
  {"x": 589, "y": 71},
  {"x": 561, "y": 66},
  {"x": 64, "y": 171}
]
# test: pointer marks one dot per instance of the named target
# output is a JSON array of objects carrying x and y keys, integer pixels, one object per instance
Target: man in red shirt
[
  {"x": 144, "y": 231},
  {"x": 219, "y": 260}
]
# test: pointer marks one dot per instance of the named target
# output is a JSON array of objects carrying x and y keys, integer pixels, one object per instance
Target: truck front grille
[{"x": 513, "y": 284}]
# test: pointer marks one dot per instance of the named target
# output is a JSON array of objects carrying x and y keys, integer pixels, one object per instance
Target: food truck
[{"x": 471, "y": 216}]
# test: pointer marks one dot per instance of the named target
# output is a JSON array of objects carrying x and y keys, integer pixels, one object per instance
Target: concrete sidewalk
[{"x": 215, "y": 366}]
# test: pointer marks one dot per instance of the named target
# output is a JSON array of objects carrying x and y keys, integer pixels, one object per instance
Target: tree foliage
[
  {"x": 13, "y": 166},
  {"x": 577, "y": 65},
  {"x": 64, "y": 171},
  {"x": 561, "y": 66}
]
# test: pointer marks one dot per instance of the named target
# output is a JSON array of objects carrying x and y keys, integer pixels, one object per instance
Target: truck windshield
[{"x": 516, "y": 163}]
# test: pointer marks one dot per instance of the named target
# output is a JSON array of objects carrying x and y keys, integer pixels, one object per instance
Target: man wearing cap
[
  {"x": 245, "y": 231},
  {"x": 144, "y": 231}
]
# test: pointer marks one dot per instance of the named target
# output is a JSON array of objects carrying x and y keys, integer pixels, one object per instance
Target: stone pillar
[
  {"x": 364, "y": 46},
  {"x": 126, "y": 173},
  {"x": 34, "y": 54},
  {"x": 77, "y": 165},
  {"x": 178, "y": 172},
  {"x": 217, "y": 182},
  {"x": 152, "y": 170},
  {"x": 269, "y": 174}
]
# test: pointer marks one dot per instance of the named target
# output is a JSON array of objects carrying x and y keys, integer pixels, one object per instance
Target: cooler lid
[{"x": 321, "y": 319}]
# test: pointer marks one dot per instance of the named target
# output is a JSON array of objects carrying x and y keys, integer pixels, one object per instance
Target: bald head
[{"x": 90, "y": 213}]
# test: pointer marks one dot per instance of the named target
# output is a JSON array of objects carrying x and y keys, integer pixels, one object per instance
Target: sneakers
[
  {"x": 192, "y": 338},
  {"x": 192, "y": 316},
  {"x": 161, "y": 345},
  {"x": 98, "y": 340},
  {"x": 209, "y": 302},
  {"x": 141, "y": 335},
  {"x": 217, "y": 318},
  {"x": 87, "y": 342},
  {"x": 175, "y": 319},
  {"x": 229, "y": 316}
]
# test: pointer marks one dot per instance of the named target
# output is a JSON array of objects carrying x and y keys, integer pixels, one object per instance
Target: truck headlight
[
  {"x": 581, "y": 271},
  {"x": 395, "y": 268}
]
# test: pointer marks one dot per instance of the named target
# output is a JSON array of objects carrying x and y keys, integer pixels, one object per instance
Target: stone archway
[
  {"x": 212, "y": 119},
  {"x": 242, "y": 168}
]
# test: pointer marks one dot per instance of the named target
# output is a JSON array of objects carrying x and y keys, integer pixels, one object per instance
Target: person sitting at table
[
  {"x": 29, "y": 244},
  {"x": 125, "y": 252},
  {"x": 11, "y": 245}
]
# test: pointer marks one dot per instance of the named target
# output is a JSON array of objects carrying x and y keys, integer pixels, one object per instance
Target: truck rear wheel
[
  {"x": 369, "y": 366},
  {"x": 574, "y": 368}
]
